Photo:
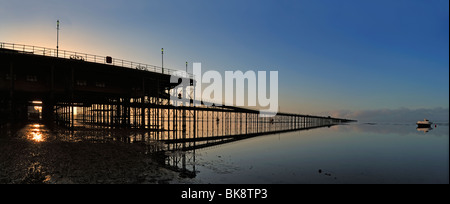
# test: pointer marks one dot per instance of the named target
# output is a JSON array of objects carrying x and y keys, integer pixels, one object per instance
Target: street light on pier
[
  {"x": 162, "y": 60},
  {"x": 57, "y": 38}
]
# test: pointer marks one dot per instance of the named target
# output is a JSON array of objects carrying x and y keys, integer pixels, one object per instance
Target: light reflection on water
[{"x": 36, "y": 134}]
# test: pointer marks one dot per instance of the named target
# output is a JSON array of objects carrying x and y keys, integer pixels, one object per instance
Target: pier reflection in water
[
  {"x": 176, "y": 148},
  {"x": 174, "y": 130}
]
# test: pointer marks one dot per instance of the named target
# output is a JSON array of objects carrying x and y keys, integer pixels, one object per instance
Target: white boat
[{"x": 424, "y": 123}]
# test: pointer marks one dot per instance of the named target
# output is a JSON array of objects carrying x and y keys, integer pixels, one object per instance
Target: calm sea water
[
  {"x": 350, "y": 153},
  {"x": 353, "y": 153}
]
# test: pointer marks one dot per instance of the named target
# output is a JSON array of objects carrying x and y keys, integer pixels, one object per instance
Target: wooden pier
[{"x": 77, "y": 89}]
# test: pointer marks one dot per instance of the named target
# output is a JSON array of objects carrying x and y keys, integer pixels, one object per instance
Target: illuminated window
[
  {"x": 31, "y": 78},
  {"x": 100, "y": 84},
  {"x": 81, "y": 83}
]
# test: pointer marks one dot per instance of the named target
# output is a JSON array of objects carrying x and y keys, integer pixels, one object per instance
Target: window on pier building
[
  {"x": 100, "y": 84},
  {"x": 81, "y": 83},
  {"x": 32, "y": 78}
]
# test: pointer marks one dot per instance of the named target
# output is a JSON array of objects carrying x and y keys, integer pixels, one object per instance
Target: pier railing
[{"x": 50, "y": 52}]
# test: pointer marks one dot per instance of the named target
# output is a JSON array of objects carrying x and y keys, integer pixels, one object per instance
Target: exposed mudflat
[
  {"x": 80, "y": 163},
  {"x": 35, "y": 155}
]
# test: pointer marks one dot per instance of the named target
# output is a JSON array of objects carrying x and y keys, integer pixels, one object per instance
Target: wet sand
[{"x": 58, "y": 162}]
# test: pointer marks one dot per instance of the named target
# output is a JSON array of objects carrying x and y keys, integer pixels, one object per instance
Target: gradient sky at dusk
[{"x": 333, "y": 57}]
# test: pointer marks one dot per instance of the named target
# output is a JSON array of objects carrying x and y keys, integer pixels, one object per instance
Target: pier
[{"x": 82, "y": 90}]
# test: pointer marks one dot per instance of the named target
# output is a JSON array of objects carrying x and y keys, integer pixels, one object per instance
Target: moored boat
[{"x": 424, "y": 123}]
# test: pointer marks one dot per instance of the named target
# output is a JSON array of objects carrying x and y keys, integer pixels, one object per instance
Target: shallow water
[{"x": 353, "y": 153}]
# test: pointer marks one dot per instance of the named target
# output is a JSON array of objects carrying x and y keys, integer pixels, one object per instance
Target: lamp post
[
  {"x": 57, "y": 38},
  {"x": 162, "y": 60}
]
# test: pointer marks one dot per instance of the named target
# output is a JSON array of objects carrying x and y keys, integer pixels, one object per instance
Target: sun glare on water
[{"x": 36, "y": 134}]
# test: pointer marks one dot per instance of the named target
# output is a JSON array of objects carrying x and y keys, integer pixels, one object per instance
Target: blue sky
[{"x": 332, "y": 56}]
